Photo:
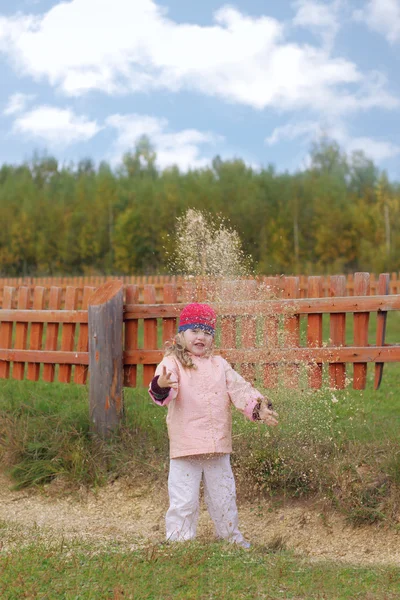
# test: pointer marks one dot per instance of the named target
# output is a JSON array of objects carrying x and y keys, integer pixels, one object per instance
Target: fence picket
[
  {"x": 150, "y": 333},
  {"x": 81, "y": 371},
  {"x": 249, "y": 331},
  {"x": 291, "y": 326},
  {"x": 228, "y": 323},
  {"x": 271, "y": 328},
  {"x": 6, "y": 331},
  {"x": 21, "y": 333},
  {"x": 394, "y": 283},
  {"x": 349, "y": 285},
  {"x": 361, "y": 321},
  {"x": 68, "y": 334},
  {"x": 314, "y": 333},
  {"x": 337, "y": 371},
  {"x": 36, "y": 333},
  {"x": 170, "y": 296},
  {"x": 131, "y": 336},
  {"x": 52, "y": 332},
  {"x": 381, "y": 319}
]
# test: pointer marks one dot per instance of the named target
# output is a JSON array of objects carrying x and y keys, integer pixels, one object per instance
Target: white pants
[{"x": 219, "y": 493}]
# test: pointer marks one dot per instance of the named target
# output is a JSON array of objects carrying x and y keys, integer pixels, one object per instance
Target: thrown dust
[
  {"x": 205, "y": 246},
  {"x": 215, "y": 269}
]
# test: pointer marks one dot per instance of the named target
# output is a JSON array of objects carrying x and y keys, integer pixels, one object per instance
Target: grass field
[
  {"x": 323, "y": 439},
  {"x": 67, "y": 571},
  {"x": 342, "y": 446}
]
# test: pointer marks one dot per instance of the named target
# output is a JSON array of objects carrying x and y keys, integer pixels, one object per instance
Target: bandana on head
[{"x": 198, "y": 316}]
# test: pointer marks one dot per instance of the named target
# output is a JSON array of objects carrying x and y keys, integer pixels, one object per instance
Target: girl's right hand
[
  {"x": 165, "y": 380},
  {"x": 268, "y": 416}
]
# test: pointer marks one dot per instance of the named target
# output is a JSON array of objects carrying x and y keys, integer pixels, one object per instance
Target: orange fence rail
[
  {"x": 273, "y": 340},
  {"x": 159, "y": 281},
  {"x": 80, "y": 283}
]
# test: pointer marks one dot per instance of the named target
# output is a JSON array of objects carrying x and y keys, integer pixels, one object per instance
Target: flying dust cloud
[{"x": 209, "y": 256}]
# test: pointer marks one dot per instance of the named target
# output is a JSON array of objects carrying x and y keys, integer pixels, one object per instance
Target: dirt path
[{"x": 134, "y": 515}]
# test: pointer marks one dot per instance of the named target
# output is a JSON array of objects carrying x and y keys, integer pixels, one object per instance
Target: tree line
[{"x": 341, "y": 214}]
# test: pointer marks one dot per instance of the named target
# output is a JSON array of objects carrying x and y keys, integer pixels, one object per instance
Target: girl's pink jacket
[{"x": 199, "y": 412}]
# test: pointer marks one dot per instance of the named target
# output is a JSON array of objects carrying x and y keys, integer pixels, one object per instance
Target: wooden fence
[
  {"x": 159, "y": 281},
  {"x": 288, "y": 341}
]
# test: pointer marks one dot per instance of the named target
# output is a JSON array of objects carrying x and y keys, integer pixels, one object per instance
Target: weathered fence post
[{"x": 105, "y": 313}]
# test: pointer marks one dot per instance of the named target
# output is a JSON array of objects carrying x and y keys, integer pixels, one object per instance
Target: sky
[{"x": 253, "y": 79}]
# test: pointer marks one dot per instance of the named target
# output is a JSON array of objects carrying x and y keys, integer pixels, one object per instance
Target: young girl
[{"x": 198, "y": 388}]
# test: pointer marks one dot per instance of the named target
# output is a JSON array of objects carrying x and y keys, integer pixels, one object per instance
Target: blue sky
[{"x": 255, "y": 79}]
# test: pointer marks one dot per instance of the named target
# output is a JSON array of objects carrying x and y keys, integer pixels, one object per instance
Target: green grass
[
  {"x": 341, "y": 445},
  {"x": 72, "y": 570},
  {"x": 338, "y": 444},
  {"x": 45, "y": 432}
]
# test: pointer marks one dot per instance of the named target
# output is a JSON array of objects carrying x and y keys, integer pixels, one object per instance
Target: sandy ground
[{"x": 130, "y": 514}]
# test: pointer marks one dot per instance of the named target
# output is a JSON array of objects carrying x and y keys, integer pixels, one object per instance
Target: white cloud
[
  {"x": 320, "y": 17},
  {"x": 291, "y": 131},
  {"x": 17, "y": 103},
  {"x": 309, "y": 130},
  {"x": 122, "y": 46},
  {"x": 382, "y": 16},
  {"x": 56, "y": 126},
  {"x": 377, "y": 150},
  {"x": 180, "y": 148}
]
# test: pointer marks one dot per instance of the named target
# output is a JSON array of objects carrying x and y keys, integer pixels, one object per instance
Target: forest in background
[{"x": 341, "y": 214}]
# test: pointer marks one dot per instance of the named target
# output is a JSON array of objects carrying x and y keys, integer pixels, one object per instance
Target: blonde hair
[{"x": 177, "y": 348}]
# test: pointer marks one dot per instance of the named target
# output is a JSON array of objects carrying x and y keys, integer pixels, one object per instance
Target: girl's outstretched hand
[
  {"x": 165, "y": 380},
  {"x": 268, "y": 416}
]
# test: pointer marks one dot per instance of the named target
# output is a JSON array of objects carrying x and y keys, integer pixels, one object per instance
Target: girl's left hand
[{"x": 268, "y": 416}]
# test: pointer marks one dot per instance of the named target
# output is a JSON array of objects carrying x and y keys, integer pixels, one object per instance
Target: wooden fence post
[{"x": 105, "y": 312}]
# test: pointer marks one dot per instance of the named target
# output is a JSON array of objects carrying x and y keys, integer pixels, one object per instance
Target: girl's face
[{"x": 197, "y": 341}]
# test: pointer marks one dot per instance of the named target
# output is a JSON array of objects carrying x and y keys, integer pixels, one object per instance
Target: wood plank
[
  {"x": 68, "y": 334},
  {"x": 291, "y": 327},
  {"x": 81, "y": 371},
  {"x": 131, "y": 336},
  {"x": 314, "y": 333},
  {"x": 169, "y": 329},
  {"x": 44, "y": 316},
  {"x": 300, "y": 306},
  {"x": 21, "y": 333},
  {"x": 6, "y": 330},
  {"x": 337, "y": 372},
  {"x": 361, "y": 322},
  {"x": 228, "y": 332},
  {"x": 249, "y": 332},
  {"x": 393, "y": 285},
  {"x": 381, "y": 319},
  {"x": 273, "y": 289},
  {"x": 150, "y": 334},
  {"x": 227, "y": 323},
  {"x": 105, "y": 357},
  {"x": 52, "y": 332},
  {"x": 55, "y": 357},
  {"x": 345, "y": 354},
  {"x": 270, "y": 370},
  {"x": 36, "y": 333}
]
